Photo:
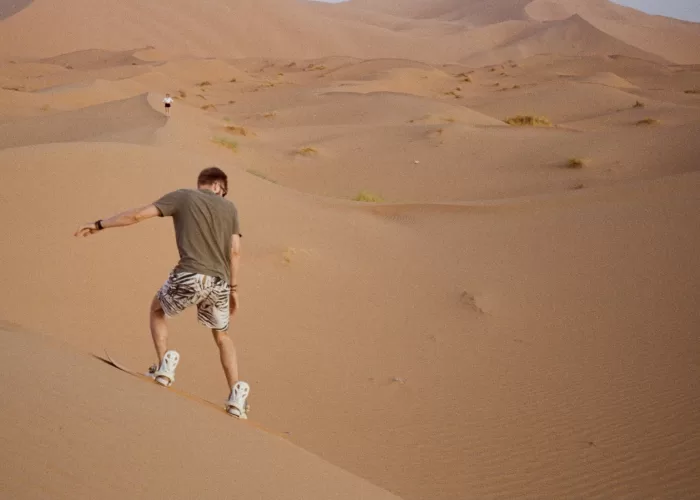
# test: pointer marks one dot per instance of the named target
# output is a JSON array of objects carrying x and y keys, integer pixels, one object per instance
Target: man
[{"x": 208, "y": 239}]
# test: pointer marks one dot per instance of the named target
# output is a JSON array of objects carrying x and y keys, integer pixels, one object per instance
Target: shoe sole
[
  {"x": 164, "y": 381},
  {"x": 235, "y": 413}
]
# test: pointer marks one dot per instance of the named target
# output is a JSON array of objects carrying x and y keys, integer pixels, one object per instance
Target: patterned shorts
[{"x": 209, "y": 294}]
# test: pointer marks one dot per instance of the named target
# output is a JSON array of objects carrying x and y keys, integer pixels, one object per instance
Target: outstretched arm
[{"x": 127, "y": 218}]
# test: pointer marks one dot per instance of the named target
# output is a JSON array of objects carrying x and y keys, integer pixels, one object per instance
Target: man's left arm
[{"x": 127, "y": 218}]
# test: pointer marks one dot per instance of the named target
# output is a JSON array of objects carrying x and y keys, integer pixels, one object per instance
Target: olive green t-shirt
[{"x": 204, "y": 225}]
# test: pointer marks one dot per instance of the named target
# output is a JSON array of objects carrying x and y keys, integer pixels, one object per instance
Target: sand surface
[{"x": 514, "y": 316}]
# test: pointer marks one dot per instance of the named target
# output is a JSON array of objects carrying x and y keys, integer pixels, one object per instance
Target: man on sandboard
[{"x": 208, "y": 239}]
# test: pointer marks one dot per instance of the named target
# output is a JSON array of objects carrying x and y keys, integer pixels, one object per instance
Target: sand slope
[
  {"x": 11, "y": 7},
  {"x": 215, "y": 27},
  {"x": 515, "y": 299},
  {"x": 121, "y": 121},
  {"x": 90, "y": 431},
  {"x": 571, "y": 36}
]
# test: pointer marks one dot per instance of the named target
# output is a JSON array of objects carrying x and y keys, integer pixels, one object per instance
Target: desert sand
[{"x": 436, "y": 302}]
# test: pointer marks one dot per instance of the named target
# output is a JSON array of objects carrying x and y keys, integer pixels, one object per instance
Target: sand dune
[
  {"x": 93, "y": 59},
  {"x": 120, "y": 121},
  {"x": 669, "y": 39},
  {"x": 11, "y": 7},
  {"x": 571, "y": 36},
  {"x": 101, "y": 437},
  {"x": 609, "y": 80},
  {"x": 517, "y": 319},
  {"x": 473, "y": 12},
  {"x": 264, "y": 28},
  {"x": 251, "y": 27},
  {"x": 546, "y": 375}
]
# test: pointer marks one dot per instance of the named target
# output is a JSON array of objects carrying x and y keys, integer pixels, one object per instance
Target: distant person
[
  {"x": 168, "y": 101},
  {"x": 208, "y": 239}
]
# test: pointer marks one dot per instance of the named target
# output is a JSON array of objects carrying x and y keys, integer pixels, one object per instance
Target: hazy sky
[{"x": 682, "y": 9}]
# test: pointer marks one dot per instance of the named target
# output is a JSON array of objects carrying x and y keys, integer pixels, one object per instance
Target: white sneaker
[
  {"x": 165, "y": 375},
  {"x": 237, "y": 402}
]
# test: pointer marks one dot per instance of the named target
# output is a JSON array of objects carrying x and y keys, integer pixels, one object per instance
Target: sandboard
[{"x": 221, "y": 408}]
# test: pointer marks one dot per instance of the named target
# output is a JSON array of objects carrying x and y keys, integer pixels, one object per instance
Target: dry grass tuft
[
  {"x": 529, "y": 121},
  {"x": 307, "y": 151},
  {"x": 288, "y": 254},
  {"x": 469, "y": 300},
  {"x": 368, "y": 197},
  {"x": 226, "y": 142},
  {"x": 315, "y": 67},
  {"x": 465, "y": 77},
  {"x": 648, "y": 121},
  {"x": 233, "y": 129},
  {"x": 505, "y": 89},
  {"x": 576, "y": 163}
]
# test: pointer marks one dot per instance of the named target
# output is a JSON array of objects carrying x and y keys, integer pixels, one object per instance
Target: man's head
[
  {"x": 167, "y": 95},
  {"x": 214, "y": 179}
]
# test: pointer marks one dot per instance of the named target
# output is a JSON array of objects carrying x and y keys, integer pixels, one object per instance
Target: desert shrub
[
  {"x": 648, "y": 121},
  {"x": 575, "y": 163},
  {"x": 368, "y": 197},
  {"x": 529, "y": 120},
  {"x": 226, "y": 142},
  {"x": 233, "y": 129},
  {"x": 307, "y": 151}
]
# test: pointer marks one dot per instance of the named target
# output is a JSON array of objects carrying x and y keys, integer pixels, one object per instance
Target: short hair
[{"x": 210, "y": 175}]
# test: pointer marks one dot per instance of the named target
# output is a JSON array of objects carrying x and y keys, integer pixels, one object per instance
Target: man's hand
[
  {"x": 123, "y": 219},
  {"x": 87, "y": 229},
  {"x": 233, "y": 303}
]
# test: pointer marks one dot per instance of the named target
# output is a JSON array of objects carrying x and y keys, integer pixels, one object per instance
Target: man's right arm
[
  {"x": 235, "y": 261},
  {"x": 235, "y": 258}
]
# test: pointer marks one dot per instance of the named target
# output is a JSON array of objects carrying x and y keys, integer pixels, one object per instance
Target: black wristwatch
[{"x": 98, "y": 225}]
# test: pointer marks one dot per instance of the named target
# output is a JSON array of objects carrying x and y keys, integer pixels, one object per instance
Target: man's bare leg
[
  {"x": 159, "y": 329},
  {"x": 227, "y": 352}
]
